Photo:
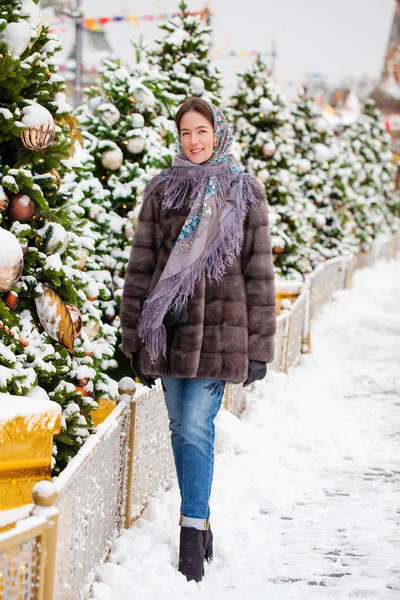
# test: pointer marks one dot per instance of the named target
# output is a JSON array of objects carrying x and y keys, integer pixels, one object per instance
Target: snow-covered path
[{"x": 306, "y": 498}]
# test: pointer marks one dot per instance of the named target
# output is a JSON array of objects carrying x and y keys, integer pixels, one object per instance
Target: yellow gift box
[
  {"x": 27, "y": 427},
  {"x": 106, "y": 406}
]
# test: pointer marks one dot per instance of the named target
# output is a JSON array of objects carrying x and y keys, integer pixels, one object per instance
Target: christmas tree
[
  {"x": 184, "y": 56},
  {"x": 129, "y": 137},
  {"x": 264, "y": 128},
  {"x": 314, "y": 147},
  {"x": 45, "y": 351},
  {"x": 371, "y": 144}
]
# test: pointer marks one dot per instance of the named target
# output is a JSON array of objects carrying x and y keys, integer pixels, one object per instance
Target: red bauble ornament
[{"x": 21, "y": 208}]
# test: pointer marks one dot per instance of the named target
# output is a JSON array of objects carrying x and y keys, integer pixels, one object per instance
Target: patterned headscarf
[{"x": 219, "y": 196}]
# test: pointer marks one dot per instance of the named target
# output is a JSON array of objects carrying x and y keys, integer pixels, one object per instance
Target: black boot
[
  {"x": 191, "y": 553},
  {"x": 208, "y": 545}
]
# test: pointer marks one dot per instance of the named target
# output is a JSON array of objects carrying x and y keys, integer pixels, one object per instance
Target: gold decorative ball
[{"x": 38, "y": 137}]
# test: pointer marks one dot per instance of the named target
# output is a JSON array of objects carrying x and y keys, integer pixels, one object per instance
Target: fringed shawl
[{"x": 220, "y": 195}]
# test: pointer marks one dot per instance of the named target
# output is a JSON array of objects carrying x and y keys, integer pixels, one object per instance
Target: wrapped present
[{"x": 27, "y": 427}]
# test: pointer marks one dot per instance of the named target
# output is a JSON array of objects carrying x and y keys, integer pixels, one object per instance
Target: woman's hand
[
  {"x": 135, "y": 364},
  {"x": 257, "y": 371}
]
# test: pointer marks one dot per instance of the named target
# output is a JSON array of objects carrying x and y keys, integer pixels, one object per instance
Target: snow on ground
[{"x": 306, "y": 497}]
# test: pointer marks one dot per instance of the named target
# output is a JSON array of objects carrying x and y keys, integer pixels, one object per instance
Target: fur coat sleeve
[
  {"x": 141, "y": 266},
  {"x": 258, "y": 274}
]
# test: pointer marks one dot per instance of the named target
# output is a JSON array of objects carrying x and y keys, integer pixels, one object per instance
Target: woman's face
[{"x": 197, "y": 137}]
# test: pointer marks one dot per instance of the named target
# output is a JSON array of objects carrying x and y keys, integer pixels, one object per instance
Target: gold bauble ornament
[
  {"x": 92, "y": 329},
  {"x": 38, "y": 137},
  {"x": 11, "y": 260},
  {"x": 278, "y": 250},
  {"x": 3, "y": 200},
  {"x": 55, "y": 318},
  {"x": 21, "y": 208}
]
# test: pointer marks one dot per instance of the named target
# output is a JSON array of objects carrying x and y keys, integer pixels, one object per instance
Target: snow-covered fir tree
[
  {"x": 45, "y": 349},
  {"x": 314, "y": 146},
  {"x": 371, "y": 144},
  {"x": 130, "y": 137},
  {"x": 264, "y": 129},
  {"x": 184, "y": 56}
]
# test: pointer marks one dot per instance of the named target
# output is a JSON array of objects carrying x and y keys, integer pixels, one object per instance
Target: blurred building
[{"x": 387, "y": 93}]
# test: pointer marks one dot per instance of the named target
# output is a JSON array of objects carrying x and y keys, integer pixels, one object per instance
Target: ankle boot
[
  {"x": 191, "y": 553},
  {"x": 208, "y": 545}
]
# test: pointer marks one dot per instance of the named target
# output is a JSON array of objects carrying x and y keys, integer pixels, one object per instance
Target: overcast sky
[{"x": 336, "y": 38}]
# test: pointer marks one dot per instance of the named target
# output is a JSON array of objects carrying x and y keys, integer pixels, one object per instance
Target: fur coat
[{"x": 229, "y": 323}]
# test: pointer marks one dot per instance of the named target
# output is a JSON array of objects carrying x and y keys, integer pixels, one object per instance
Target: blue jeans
[{"x": 192, "y": 406}]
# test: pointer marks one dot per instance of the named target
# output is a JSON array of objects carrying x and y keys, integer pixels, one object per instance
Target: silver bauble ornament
[
  {"x": 269, "y": 148},
  {"x": 11, "y": 260},
  {"x": 112, "y": 159}
]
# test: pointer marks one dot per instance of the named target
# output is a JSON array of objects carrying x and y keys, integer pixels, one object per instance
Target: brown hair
[{"x": 195, "y": 104}]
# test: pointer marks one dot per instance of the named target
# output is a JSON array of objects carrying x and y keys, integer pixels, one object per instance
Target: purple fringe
[{"x": 174, "y": 293}]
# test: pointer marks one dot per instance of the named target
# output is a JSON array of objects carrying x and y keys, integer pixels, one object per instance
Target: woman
[{"x": 198, "y": 304}]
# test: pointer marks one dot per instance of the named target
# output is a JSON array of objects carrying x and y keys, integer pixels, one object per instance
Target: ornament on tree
[
  {"x": 40, "y": 129},
  {"x": 284, "y": 177},
  {"x": 21, "y": 208},
  {"x": 83, "y": 256},
  {"x": 322, "y": 153},
  {"x": 55, "y": 317},
  {"x": 304, "y": 165},
  {"x": 3, "y": 200},
  {"x": 11, "y": 260},
  {"x": 112, "y": 159},
  {"x": 320, "y": 221},
  {"x": 53, "y": 238},
  {"x": 10, "y": 299},
  {"x": 269, "y": 148},
  {"x": 76, "y": 319},
  {"x": 5, "y": 329},
  {"x": 129, "y": 232},
  {"x": 137, "y": 120},
  {"x": 17, "y": 37},
  {"x": 263, "y": 175},
  {"x": 145, "y": 98},
  {"x": 135, "y": 145},
  {"x": 92, "y": 329},
  {"x": 109, "y": 113}
]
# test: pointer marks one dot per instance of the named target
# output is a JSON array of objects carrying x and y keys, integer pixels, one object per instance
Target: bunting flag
[{"x": 96, "y": 23}]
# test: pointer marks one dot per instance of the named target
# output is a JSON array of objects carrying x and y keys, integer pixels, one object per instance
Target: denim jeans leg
[
  {"x": 173, "y": 394},
  {"x": 201, "y": 402}
]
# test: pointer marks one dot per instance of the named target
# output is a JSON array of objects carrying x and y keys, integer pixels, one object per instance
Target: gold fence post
[
  {"x": 131, "y": 442},
  {"x": 226, "y": 397},
  {"x": 44, "y": 494}
]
